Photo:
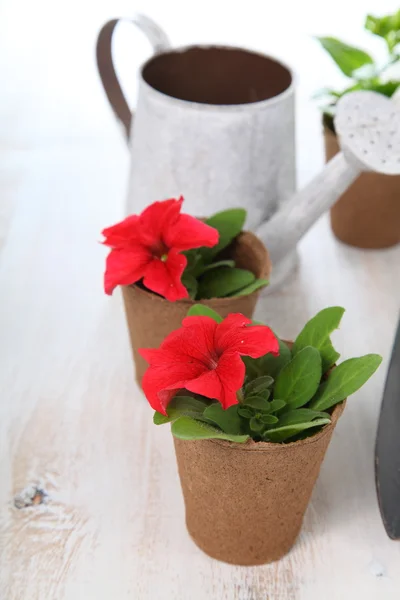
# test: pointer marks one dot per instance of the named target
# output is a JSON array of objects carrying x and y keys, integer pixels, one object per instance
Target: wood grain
[{"x": 72, "y": 420}]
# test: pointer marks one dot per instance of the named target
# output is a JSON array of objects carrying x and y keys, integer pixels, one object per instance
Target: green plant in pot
[
  {"x": 359, "y": 66},
  {"x": 166, "y": 261},
  {"x": 251, "y": 416},
  {"x": 368, "y": 213}
]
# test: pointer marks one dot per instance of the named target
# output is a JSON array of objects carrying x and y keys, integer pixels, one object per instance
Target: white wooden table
[{"x": 71, "y": 418}]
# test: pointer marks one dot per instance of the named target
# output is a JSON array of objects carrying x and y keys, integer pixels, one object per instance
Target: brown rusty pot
[
  {"x": 151, "y": 318},
  {"x": 367, "y": 215},
  {"x": 245, "y": 503}
]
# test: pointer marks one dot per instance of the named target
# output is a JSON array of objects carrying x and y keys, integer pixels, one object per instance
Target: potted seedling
[
  {"x": 251, "y": 417},
  {"x": 368, "y": 214},
  {"x": 167, "y": 261}
]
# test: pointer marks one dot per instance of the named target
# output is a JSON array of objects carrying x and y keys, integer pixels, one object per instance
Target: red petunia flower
[
  {"x": 148, "y": 246},
  {"x": 203, "y": 356}
]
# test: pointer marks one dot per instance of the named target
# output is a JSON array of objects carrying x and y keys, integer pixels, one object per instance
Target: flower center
[
  {"x": 159, "y": 250},
  {"x": 213, "y": 364}
]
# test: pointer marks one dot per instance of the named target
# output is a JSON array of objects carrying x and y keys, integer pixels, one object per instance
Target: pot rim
[
  {"x": 215, "y": 302},
  {"x": 252, "y": 446}
]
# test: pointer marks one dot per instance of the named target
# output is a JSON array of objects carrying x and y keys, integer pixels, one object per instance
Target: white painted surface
[{"x": 71, "y": 418}]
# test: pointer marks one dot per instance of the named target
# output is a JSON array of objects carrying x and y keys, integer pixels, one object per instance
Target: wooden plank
[{"x": 72, "y": 421}]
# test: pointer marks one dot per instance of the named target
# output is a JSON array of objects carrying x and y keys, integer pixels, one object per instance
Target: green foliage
[
  {"x": 346, "y": 379},
  {"x": 186, "y": 428},
  {"x": 255, "y": 367},
  {"x": 219, "y": 263},
  {"x": 181, "y": 406},
  {"x": 316, "y": 333},
  {"x": 201, "y": 310},
  {"x": 387, "y": 27},
  {"x": 284, "y": 398},
  {"x": 252, "y": 287},
  {"x": 223, "y": 281},
  {"x": 348, "y": 58},
  {"x": 298, "y": 381},
  {"x": 228, "y": 420},
  {"x": 229, "y": 224},
  {"x": 358, "y": 65},
  {"x": 259, "y": 385},
  {"x": 281, "y": 434},
  {"x": 208, "y": 274},
  {"x": 190, "y": 283}
]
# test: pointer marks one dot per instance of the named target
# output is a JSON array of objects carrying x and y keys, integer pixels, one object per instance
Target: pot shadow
[{"x": 344, "y": 496}]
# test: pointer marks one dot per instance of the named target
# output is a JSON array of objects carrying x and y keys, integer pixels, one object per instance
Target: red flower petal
[
  {"x": 158, "y": 218},
  {"x": 204, "y": 357},
  {"x": 158, "y": 399},
  {"x": 188, "y": 232},
  {"x": 123, "y": 234},
  {"x": 196, "y": 340},
  {"x": 164, "y": 277},
  {"x": 218, "y": 384},
  {"x": 208, "y": 385},
  {"x": 187, "y": 344},
  {"x": 125, "y": 266},
  {"x": 234, "y": 334},
  {"x": 231, "y": 372},
  {"x": 168, "y": 375}
]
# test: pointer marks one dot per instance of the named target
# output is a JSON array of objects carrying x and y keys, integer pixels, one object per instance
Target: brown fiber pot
[
  {"x": 150, "y": 317},
  {"x": 368, "y": 213},
  {"x": 245, "y": 502}
]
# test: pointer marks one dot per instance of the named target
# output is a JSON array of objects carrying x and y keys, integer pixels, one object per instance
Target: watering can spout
[
  {"x": 282, "y": 232},
  {"x": 368, "y": 128}
]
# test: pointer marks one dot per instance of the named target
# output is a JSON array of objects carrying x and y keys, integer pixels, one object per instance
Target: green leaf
[
  {"x": 256, "y": 424},
  {"x": 269, "y": 419},
  {"x": 268, "y": 364},
  {"x": 200, "y": 310},
  {"x": 258, "y": 402},
  {"x": 344, "y": 380},
  {"x": 301, "y": 415},
  {"x": 258, "y": 385},
  {"x": 186, "y": 428},
  {"x": 194, "y": 262},
  {"x": 229, "y": 224},
  {"x": 348, "y": 58},
  {"x": 281, "y": 434},
  {"x": 252, "y": 287},
  {"x": 299, "y": 379},
  {"x": 180, "y": 406},
  {"x": 218, "y": 263},
  {"x": 221, "y": 282},
  {"x": 276, "y": 405},
  {"x": 316, "y": 334},
  {"x": 190, "y": 283},
  {"x": 245, "y": 412},
  {"x": 228, "y": 420},
  {"x": 387, "y": 27},
  {"x": 388, "y": 88}
]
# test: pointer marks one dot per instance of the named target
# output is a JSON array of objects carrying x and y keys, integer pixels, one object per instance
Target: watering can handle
[{"x": 105, "y": 65}]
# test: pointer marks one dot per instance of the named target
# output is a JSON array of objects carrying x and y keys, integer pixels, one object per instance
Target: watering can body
[
  {"x": 216, "y": 125},
  {"x": 216, "y": 156}
]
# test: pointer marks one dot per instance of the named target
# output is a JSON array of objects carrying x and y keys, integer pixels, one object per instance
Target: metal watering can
[{"x": 216, "y": 124}]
